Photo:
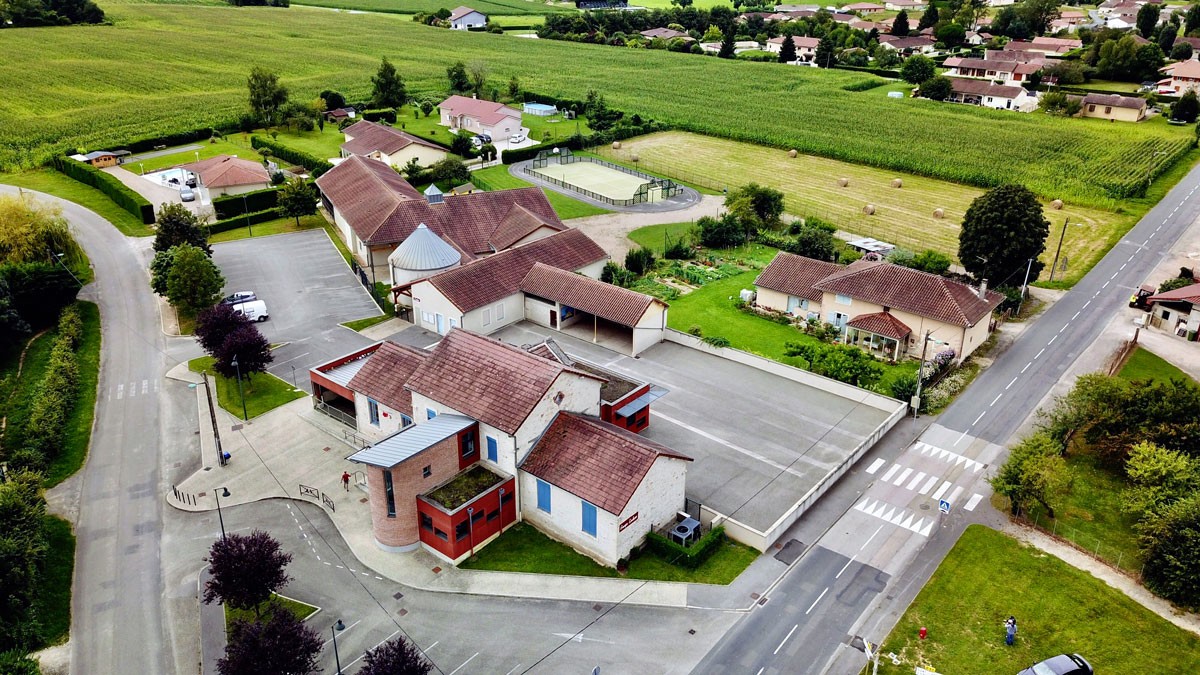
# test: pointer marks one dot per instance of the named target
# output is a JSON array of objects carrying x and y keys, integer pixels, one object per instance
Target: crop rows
[
  {"x": 489, "y": 7},
  {"x": 162, "y": 68}
]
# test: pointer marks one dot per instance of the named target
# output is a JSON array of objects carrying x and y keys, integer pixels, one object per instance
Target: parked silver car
[{"x": 187, "y": 194}]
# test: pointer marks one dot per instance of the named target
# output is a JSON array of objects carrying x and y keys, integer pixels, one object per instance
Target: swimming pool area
[
  {"x": 540, "y": 109},
  {"x": 165, "y": 177}
]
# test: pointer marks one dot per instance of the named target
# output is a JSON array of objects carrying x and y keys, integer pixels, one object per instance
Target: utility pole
[
  {"x": 916, "y": 400},
  {"x": 1024, "y": 286},
  {"x": 1059, "y": 249}
]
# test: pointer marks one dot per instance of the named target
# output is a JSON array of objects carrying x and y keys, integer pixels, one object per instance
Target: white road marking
[
  {"x": 928, "y": 485},
  {"x": 1131, "y": 257},
  {"x": 1026, "y": 367},
  {"x": 891, "y": 472},
  {"x": 519, "y": 665},
  {"x": 902, "y": 477},
  {"x": 979, "y": 418},
  {"x": 994, "y": 400},
  {"x": 942, "y": 490},
  {"x": 435, "y": 643},
  {"x": 1075, "y": 317},
  {"x": 870, "y": 538},
  {"x": 916, "y": 479},
  {"x": 839, "y": 574},
  {"x": 810, "y": 607},
  {"x": 145, "y": 386},
  {"x": 760, "y": 670},
  {"x": 1039, "y": 354},
  {"x": 790, "y": 632},
  {"x": 964, "y": 434},
  {"x": 973, "y": 501},
  {"x": 1123, "y": 265},
  {"x": 120, "y": 391},
  {"x": 464, "y": 663},
  {"x": 875, "y": 466},
  {"x": 1114, "y": 276},
  {"x": 1064, "y": 327},
  {"x": 954, "y": 495},
  {"x": 132, "y": 389},
  {"x": 376, "y": 647},
  {"x": 1105, "y": 285},
  {"x": 1086, "y": 304},
  {"x": 731, "y": 446},
  {"x": 1051, "y": 340},
  {"x": 1010, "y": 384}
]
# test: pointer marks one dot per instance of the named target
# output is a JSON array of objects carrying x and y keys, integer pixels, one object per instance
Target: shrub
[
  {"x": 677, "y": 249},
  {"x": 716, "y": 341},
  {"x": 616, "y": 275},
  {"x": 696, "y": 330},
  {"x": 725, "y": 232},
  {"x": 235, "y": 205},
  {"x": 690, "y": 557},
  {"x": 639, "y": 261},
  {"x": 121, "y": 195},
  {"x": 242, "y": 220}
]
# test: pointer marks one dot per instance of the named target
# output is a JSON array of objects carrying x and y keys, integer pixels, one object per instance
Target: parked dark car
[
  {"x": 239, "y": 297},
  {"x": 1063, "y": 664}
]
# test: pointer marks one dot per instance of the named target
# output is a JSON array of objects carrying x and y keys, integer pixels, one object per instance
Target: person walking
[
  {"x": 346, "y": 480},
  {"x": 1010, "y": 631}
]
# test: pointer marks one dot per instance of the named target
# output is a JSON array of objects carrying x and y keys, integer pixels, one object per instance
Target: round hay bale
[
  {"x": 616, "y": 145},
  {"x": 792, "y": 154},
  {"x": 843, "y": 182},
  {"x": 869, "y": 209},
  {"x": 939, "y": 213},
  {"x": 634, "y": 158},
  {"x": 1056, "y": 204},
  {"x": 897, "y": 183}
]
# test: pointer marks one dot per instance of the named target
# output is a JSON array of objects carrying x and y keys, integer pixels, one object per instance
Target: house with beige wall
[
  {"x": 389, "y": 145},
  {"x": 1114, "y": 107},
  {"x": 886, "y": 309}
]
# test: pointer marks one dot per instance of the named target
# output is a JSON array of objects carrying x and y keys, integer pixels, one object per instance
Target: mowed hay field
[
  {"x": 903, "y": 216},
  {"x": 169, "y": 68}
]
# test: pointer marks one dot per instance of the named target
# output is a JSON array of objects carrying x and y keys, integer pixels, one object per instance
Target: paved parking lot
[
  {"x": 759, "y": 441},
  {"x": 308, "y": 289}
]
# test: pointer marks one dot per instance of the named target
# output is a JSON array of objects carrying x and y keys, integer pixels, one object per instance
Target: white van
[{"x": 255, "y": 310}]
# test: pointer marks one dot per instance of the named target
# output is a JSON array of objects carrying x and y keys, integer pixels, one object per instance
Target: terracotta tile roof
[
  {"x": 517, "y": 224},
  {"x": 961, "y": 85},
  {"x": 485, "y": 379},
  {"x": 367, "y": 137},
  {"x": 229, "y": 171},
  {"x": 799, "y": 41},
  {"x": 1115, "y": 100},
  {"x": 998, "y": 66},
  {"x": 881, "y": 323},
  {"x": 461, "y": 11},
  {"x": 595, "y": 461},
  {"x": 1193, "y": 41},
  {"x": 487, "y": 112},
  {"x": 1057, "y": 43},
  {"x": 921, "y": 293},
  {"x": 1186, "y": 294},
  {"x": 911, "y": 42},
  {"x": 664, "y": 33},
  {"x": 382, "y": 208},
  {"x": 1022, "y": 56},
  {"x": 1187, "y": 68},
  {"x": 616, "y": 304},
  {"x": 383, "y": 375},
  {"x": 487, "y": 280},
  {"x": 795, "y": 275}
]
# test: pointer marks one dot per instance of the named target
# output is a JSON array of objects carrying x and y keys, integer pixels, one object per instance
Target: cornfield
[{"x": 164, "y": 68}]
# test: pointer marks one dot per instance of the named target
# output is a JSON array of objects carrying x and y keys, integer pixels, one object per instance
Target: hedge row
[
  {"x": 580, "y": 142},
  {"x": 147, "y": 144},
  {"x": 230, "y": 206},
  {"x": 690, "y": 557},
  {"x": 242, "y": 220},
  {"x": 54, "y": 397},
  {"x": 315, "y": 165},
  {"x": 109, "y": 185},
  {"x": 386, "y": 114}
]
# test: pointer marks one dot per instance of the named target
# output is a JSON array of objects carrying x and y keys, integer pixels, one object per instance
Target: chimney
[{"x": 983, "y": 289}]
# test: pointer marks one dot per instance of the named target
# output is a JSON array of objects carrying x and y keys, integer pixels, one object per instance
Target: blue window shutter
[
  {"x": 543, "y": 496},
  {"x": 589, "y": 518},
  {"x": 493, "y": 453}
]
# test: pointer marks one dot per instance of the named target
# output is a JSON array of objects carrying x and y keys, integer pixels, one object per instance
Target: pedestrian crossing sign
[{"x": 944, "y": 506}]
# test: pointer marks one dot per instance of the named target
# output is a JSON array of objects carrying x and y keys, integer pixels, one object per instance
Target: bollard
[{"x": 923, "y": 632}]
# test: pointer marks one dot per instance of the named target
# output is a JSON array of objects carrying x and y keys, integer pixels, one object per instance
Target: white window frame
[
  {"x": 500, "y": 311},
  {"x": 842, "y": 299},
  {"x": 487, "y": 317}
]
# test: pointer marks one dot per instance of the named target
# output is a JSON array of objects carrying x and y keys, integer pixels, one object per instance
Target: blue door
[
  {"x": 589, "y": 519},
  {"x": 543, "y": 496},
  {"x": 493, "y": 453}
]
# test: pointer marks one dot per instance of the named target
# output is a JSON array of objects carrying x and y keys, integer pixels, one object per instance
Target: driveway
[
  {"x": 160, "y": 194},
  {"x": 308, "y": 290}
]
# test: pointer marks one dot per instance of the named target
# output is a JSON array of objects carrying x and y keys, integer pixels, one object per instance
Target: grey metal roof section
[
  {"x": 342, "y": 374},
  {"x": 423, "y": 250},
  {"x": 407, "y": 442},
  {"x": 656, "y": 392}
]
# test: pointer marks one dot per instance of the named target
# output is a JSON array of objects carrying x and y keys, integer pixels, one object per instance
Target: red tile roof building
[
  {"x": 366, "y": 137},
  {"x": 383, "y": 376},
  {"x": 607, "y": 301},
  {"x": 225, "y": 174}
]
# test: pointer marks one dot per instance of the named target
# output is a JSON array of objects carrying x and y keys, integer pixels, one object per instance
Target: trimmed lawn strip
[
  {"x": 20, "y": 396},
  {"x": 78, "y": 428},
  {"x": 270, "y": 227},
  {"x": 360, "y": 324},
  {"x": 498, "y": 178},
  {"x": 60, "y": 185},
  {"x": 301, "y": 610},
  {"x": 522, "y": 548},
  {"x": 52, "y": 606},
  {"x": 231, "y": 145},
  {"x": 989, "y": 576},
  {"x": 263, "y": 391},
  {"x": 1144, "y": 364},
  {"x": 325, "y": 144}
]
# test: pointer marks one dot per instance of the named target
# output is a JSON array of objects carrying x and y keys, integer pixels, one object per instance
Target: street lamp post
[
  {"x": 58, "y": 258},
  {"x": 246, "y": 210},
  {"x": 241, "y": 394},
  {"x": 1024, "y": 286},
  {"x": 916, "y": 400},
  {"x": 218, "y": 493},
  {"x": 334, "y": 630}
]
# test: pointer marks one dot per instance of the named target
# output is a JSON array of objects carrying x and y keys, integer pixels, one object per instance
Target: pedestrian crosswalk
[
  {"x": 940, "y": 453},
  {"x": 123, "y": 391},
  {"x": 896, "y": 516}
]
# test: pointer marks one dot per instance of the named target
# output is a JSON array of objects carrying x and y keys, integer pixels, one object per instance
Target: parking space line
[
  {"x": 464, "y": 663},
  {"x": 347, "y": 666}
]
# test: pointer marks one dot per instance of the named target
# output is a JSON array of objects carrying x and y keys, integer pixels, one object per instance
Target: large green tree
[
  {"x": 32, "y": 231},
  {"x": 1147, "y": 19},
  {"x": 1035, "y": 471},
  {"x": 900, "y": 24},
  {"x": 1038, "y": 14},
  {"x": 267, "y": 96},
  {"x": 1157, "y": 478},
  {"x": 937, "y": 88},
  {"x": 176, "y": 225},
  {"x": 193, "y": 281},
  {"x": 929, "y": 19},
  {"x": 787, "y": 51},
  {"x": 387, "y": 87},
  {"x": 1002, "y": 230},
  {"x": 917, "y": 69},
  {"x": 824, "y": 56},
  {"x": 1187, "y": 108},
  {"x": 1170, "y": 544},
  {"x": 456, "y": 73},
  {"x": 296, "y": 198}
]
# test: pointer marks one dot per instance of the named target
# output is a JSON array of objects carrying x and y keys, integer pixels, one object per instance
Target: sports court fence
[{"x": 668, "y": 187}]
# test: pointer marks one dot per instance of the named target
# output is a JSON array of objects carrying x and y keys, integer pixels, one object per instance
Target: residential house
[
  {"x": 1182, "y": 77},
  {"x": 864, "y": 7},
  {"x": 975, "y": 39},
  {"x": 907, "y": 5},
  {"x": 389, "y": 145},
  {"x": 1005, "y": 72},
  {"x": 806, "y": 47},
  {"x": 910, "y": 45},
  {"x": 989, "y": 95},
  {"x": 374, "y": 209},
  {"x": 465, "y": 18},
  {"x": 497, "y": 427},
  {"x": 883, "y": 308},
  {"x": 1069, "y": 20},
  {"x": 337, "y": 115},
  {"x": 1122, "y": 18},
  {"x": 1195, "y": 44},
  {"x": 1001, "y": 3},
  {"x": 479, "y": 117},
  {"x": 1046, "y": 45},
  {"x": 1114, "y": 107},
  {"x": 738, "y": 46},
  {"x": 228, "y": 175},
  {"x": 1017, "y": 56},
  {"x": 1177, "y": 311},
  {"x": 665, "y": 34}
]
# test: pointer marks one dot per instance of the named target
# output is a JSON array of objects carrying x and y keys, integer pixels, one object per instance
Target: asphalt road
[{"x": 974, "y": 428}]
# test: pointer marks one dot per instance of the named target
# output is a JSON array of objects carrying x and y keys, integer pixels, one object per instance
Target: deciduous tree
[
  {"x": 281, "y": 645},
  {"x": 266, "y": 94},
  {"x": 33, "y": 231},
  {"x": 387, "y": 87},
  {"x": 1170, "y": 544},
  {"x": 478, "y": 72},
  {"x": 245, "y": 569},
  {"x": 193, "y": 282},
  {"x": 724, "y": 232},
  {"x": 457, "y": 75},
  {"x": 929, "y": 19},
  {"x": 215, "y": 324},
  {"x": 917, "y": 69},
  {"x": 1035, "y": 471},
  {"x": 951, "y": 34},
  {"x": 1187, "y": 108},
  {"x": 333, "y": 99},
  {"x": 1147, "y": 19},
  {"x": 397, "y": 656},
  {"x": 1157, "y": 478},
  {"x": 1038, "y": 14},
  {"x": 1002, "y": 230},
  {"x": 937, "y": 88},
  {"x": 249, "y": 348},
  {"x": 296, "y": 198},
  {"x": 177, "y": 225}
]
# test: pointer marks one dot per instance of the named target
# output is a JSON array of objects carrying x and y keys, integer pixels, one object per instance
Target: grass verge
[
  {"x": 263, "y": 391},
  {"x": 270, "y": 227},
  {"x": 498, "y": 178},
  {"x": 60, "y": 185},
  {"x": 52, "y": 606},
  {"x": 78, "y": 434},
  {"x": 1146, "y": 365},
  {"x": 524, "y": 549},
  {"x": 988, "y": 576},
  {"x": 360, "y": 324},
  {"x": 301, "y": 610}
]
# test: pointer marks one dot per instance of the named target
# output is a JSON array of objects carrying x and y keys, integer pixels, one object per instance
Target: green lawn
[
  {"x": 1146, "y": 365},
  {"x": 52, "y": 606},
  {"x": 498, "y": 178},
  {"x": 78, "y": 434},
  {"x": 524, "y": 549},
  {"x": 226, "y": 146},
  {"x": 540, "y": 128},
  {"x": 277, "y": 226},
  {"x": 301, "y": 610},
  {"x": 321, "y": 144},
  {"x": 60, "y": 185},
  {"x": 360, "y": 324},
  {"x": 989, "y": 576},
  {"x": 263, "y": 391},
  {"x": 654, "y": 237},
  {"x": 18, "y": 393}
]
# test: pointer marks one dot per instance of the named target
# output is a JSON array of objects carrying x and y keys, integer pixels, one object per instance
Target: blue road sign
[{"x": 944, "y": 506}]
